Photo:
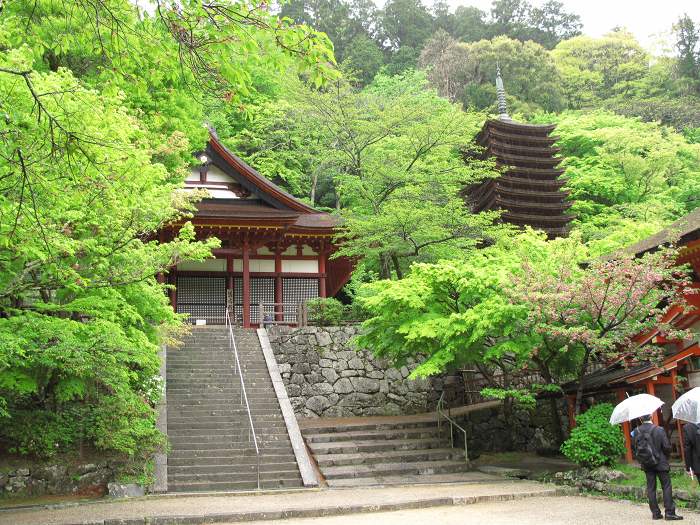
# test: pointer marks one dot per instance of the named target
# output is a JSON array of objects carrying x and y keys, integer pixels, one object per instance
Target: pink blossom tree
[{"x": 595, "y": 313}]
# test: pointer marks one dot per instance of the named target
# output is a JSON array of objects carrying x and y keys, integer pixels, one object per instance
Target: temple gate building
[{"x": 275, "y": 249}]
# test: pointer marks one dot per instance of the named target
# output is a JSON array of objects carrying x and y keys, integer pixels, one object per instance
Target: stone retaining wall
[
  {"x": 42, "y": 479},
  {"x": 325, "y": 376}
]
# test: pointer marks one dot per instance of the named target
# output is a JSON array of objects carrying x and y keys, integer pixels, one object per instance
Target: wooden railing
[{"x": 270, "y": 314}]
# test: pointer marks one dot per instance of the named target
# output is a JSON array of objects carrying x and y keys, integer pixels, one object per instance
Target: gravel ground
[
  {"x": 563, "y": 510},
  {"x": 203, "y": 505}
]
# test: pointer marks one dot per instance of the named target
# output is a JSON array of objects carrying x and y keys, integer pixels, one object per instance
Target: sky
[{"x": 645, "y": 18}]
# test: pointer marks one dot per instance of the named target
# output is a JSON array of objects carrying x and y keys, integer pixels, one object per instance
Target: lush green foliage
[
  {"x": 521, "y": 305},
  {"x": 101, "y": 107},
  {"x": 594, "y": 441},
  {"x": 465, "y": 72},
  {"x": 325, "y": 311},
  {"x": 627, "y": 178},
  {"x": 391, "y": 37}
]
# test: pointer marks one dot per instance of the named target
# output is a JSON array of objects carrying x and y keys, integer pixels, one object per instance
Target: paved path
[
  {"x": 305, "y": 502},
  {"x": 565, "y": 510}
]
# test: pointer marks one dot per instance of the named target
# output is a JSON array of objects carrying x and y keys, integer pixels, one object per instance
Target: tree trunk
[
  {"x": 397, "y": 266},
  {"x": 579, "y": 389},
  {"x": 314, "y": 182},
  {"x": 384, "y": 268},
  {"x": 559, "y": 423}
]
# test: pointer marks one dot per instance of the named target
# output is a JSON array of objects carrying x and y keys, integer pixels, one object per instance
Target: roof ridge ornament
[{"x": 501, "y": 95}]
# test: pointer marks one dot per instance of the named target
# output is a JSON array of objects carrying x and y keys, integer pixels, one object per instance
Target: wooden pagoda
[
  {"x": 274, "y": 251},
  {"x": 529, "y": 191}
]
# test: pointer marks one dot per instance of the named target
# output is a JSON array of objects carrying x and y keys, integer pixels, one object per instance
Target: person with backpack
[
  {"x": 691, "y": 444},
  {"x": 651, "y": 449}
]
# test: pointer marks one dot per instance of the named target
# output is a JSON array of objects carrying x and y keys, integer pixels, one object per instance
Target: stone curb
[
  {"x": 319, "y": 512},
  {"x": 306, "y": 469}
]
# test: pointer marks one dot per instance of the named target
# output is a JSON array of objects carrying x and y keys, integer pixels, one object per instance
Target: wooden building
[
  {"x": 275, "y": 249},
  {"x": 529, "y": 192},
  {"x": 679, "y": 369}
]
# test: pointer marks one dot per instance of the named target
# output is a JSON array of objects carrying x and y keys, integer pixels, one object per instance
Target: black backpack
[{"x": 646, "y": 452}]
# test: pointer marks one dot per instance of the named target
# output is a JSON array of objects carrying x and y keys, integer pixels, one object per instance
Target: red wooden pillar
[
  {"x": 246, "y": 283},
  {"x": 626, "y": 431},
  {"x": 279, "y": 311},
  {"x": 322, "y": 256}
]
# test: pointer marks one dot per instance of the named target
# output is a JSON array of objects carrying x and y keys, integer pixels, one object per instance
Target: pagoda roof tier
[
  {"x": 528, "y": 172},
  {"x": 525, "y": 161},
  {"x": 532, "y": 219},
  {"x": 491, "y": 134},
  {"x": 519, "y": 128},
  {"x": 533, "y": 183},
  {"x": 534, "y": 151},
  {"x": 525, "y": 205},
  {"x": 529, "y": 189},
  {"x": 534, "y": 193}
]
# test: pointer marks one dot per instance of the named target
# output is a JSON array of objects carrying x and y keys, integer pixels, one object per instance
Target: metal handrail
[
  {"x": 453, "y": 423},
  {"x": 244, "y": 395}
]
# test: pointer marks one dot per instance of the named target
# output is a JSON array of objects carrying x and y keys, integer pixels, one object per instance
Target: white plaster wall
[
  {"x": 256, "y": 265},
  {"x": 209, "y": 265},
  {"x": 299, "y": 266}
]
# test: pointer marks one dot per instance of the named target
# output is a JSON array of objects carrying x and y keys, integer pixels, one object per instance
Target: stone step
[
  {"x": 230, "y": 453},
  {"x": 243, "y": 473},
  {"x": 248, "y": 484},
  {"x": 456, "y": 477},
  {"x": 188, "y": 442},
  {"x": 398, "y": 433},
  {"x": 236, "y": 417},
  {"x": 188, "y": 403},
  {"x": 368, "y": 446},
  {"x": 331, "y": 428},
  {"x": 394, "y": 469},
  {"x": 225, "y": 426},
  {"x": 206, "y": 412},
  {"x": 201, "y": 461},
  {"x": 225, "y": 469},
  {"x": 399, "y": 456}
]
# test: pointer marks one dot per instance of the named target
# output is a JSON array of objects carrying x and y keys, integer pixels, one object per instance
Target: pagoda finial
[{"x": 501, "y": 94}]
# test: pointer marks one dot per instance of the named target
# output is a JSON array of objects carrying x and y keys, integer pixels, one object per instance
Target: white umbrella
[
  {"x": 687, "y": 407},
  {"x": 634, "y": 407}
]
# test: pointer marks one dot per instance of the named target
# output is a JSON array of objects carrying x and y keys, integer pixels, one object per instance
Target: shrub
[
  {"x": 325, "y": 311},
  {"x": 594, "y": 441}
]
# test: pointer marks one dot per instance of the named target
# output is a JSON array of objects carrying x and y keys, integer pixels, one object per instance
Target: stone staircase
[
  {"x": 383, "y": 451},
  {"x": 208, "y": 425}
]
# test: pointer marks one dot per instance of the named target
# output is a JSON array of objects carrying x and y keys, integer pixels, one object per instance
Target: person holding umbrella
[
  {"x": 687, "y": 408},
  {"x": 651, "y": 449},
  {"x": 691, "y": 444}
]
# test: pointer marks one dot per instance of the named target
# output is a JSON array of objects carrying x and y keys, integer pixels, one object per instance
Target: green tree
[
  {"x": 627, "y": 178},
  {"x": 101, "y": 108},
  {"x": 467, "y": 72},
  {"x": 688, "y": 46},
  {"x": 364, "y": 57},
  {"x": 596, "y": 69}
]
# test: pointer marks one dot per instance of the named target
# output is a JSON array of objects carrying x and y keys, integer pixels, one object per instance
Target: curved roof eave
[{"x": 252, "y": 175}]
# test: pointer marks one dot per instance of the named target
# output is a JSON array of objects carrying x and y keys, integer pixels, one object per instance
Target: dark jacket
[
  {"x": 660, "y": 442},
  {"x": 691, "y": 443}
]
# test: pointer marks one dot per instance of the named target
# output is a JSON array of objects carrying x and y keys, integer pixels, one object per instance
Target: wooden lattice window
[{"x": 202, "y": 298}]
